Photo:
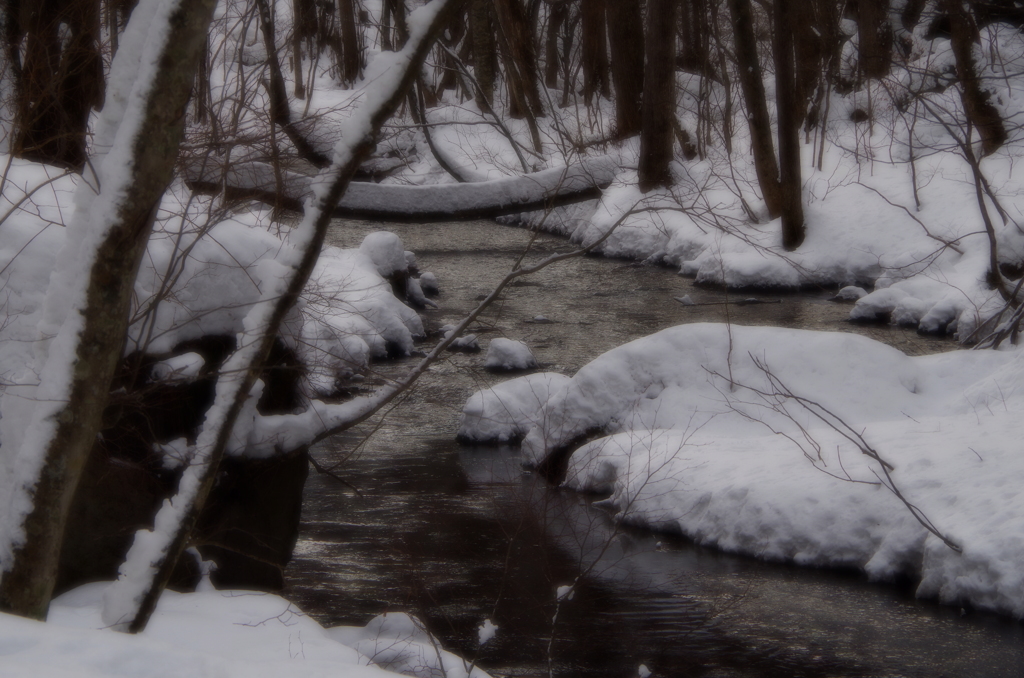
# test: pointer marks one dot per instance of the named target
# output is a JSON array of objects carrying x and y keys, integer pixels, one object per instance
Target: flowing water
[{"x": 458, "y": 534}]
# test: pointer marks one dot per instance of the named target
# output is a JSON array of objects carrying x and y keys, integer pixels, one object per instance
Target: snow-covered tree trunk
[
  {"x": 89, "y": 294},
  {"x": 149, "y": 564}
]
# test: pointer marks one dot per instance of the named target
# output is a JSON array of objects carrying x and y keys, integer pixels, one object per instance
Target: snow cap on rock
[
  {"x": 508, "y": 355},
  {"x": 386, "y": 251}
]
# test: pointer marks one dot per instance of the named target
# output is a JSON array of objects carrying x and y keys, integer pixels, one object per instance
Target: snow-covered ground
[
  {"x": 222, "y": 634},
  {"x": 698, "y": 429}
]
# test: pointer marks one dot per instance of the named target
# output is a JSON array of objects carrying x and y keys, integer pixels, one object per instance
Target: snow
[
  {"x": 851, "y": 293},
  {"x": 386, "y": 252},
  {"x": 227, "y": 634},
  {"x": 428, "y": 282},
  {"x": 402, "y": 202},
  {"x": 400, "y": 643},
  {"x": 740, "y": 467},
  {"x": 486, "y": 631},
  {"x": 508, "y": 355},
  {"x": 508, "y": 410},
  {"x": 179, "y": 368},
  {"x": 466, "y": 342}
]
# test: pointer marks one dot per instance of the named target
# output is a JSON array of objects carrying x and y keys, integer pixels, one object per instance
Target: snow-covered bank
[
  {"x": 227, "y": 634},
  {"x": 204, "y": 269},
  {"x": 760, "y": 474}
]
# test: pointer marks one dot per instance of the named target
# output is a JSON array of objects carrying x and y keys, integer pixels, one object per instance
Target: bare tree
[
  {"x": 875, "y": 38},
  {"x": 485, "y": 56},
  {"x": 981, "y": 114}
]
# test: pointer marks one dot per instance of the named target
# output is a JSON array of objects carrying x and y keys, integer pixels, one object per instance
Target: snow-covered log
[{"x": 389, "y": 202}]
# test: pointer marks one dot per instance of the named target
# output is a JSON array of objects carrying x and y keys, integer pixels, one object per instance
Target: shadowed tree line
[{"x": 534, "y": 55}]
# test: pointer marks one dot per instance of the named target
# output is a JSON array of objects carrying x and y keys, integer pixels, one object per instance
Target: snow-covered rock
[
  {"x": 508, "y": 355},
  {"x": 179, "y": 368},
  {"x": 507, "y": 411},
  {"x": 428, "y": 282},
  {"x": 386, "y": 251},
  {"x": 467, "y": 342},
  {"x": 850, "y": 293}
]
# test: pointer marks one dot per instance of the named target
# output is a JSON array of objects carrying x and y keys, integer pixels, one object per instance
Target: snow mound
[
  {"x": 679, "y": 377},
  {"x": 179, "y": 368},
  {"x": 507, "y": 355},
  {"x": 507, "y": 411},
  {"x": 692, "y": 417}
]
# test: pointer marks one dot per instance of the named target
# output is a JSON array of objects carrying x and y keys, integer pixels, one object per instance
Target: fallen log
[{"x": 391, "y": 202}]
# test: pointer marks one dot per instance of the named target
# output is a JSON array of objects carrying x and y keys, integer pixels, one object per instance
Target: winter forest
[{"x": 511, "y": 337}]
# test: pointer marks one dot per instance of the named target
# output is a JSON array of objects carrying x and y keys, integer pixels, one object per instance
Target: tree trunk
[
  {"x": 557, "y": 16},
  {"x": 626, "y": 38},
  {"x": 981, "y": 114},
  {"x": 519, "y": 57},
  {"x": 817, "y": 44},
  {"x": 875, "y": 38},
  {"x": 659, "y": 100},
  {"x": 76, "y": 379},
  {"x": 53, "y": 46},
  {"x": 694, "y": 54},
  {"x": 485, "y": 55},
  {"x": 595, "y": 51},
  {"x": 758, "y": 120},
  {"x": 352, "y": 51},
  {"x": 454, "y": 34},
  {"x": 789, "y": 118}
]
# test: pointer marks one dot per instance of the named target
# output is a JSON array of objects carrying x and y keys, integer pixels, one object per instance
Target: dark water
[{"x": 460, "y": 534}]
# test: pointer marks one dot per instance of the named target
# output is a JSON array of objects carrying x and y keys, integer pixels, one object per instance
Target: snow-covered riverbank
[{"x": 749, "y": 439}]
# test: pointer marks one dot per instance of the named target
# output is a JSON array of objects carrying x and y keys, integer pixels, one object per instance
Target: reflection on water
[{"x": 460, "y": 534}]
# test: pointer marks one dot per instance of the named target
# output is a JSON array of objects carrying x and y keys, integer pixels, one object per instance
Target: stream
[{"x": 457, "y": 534}]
